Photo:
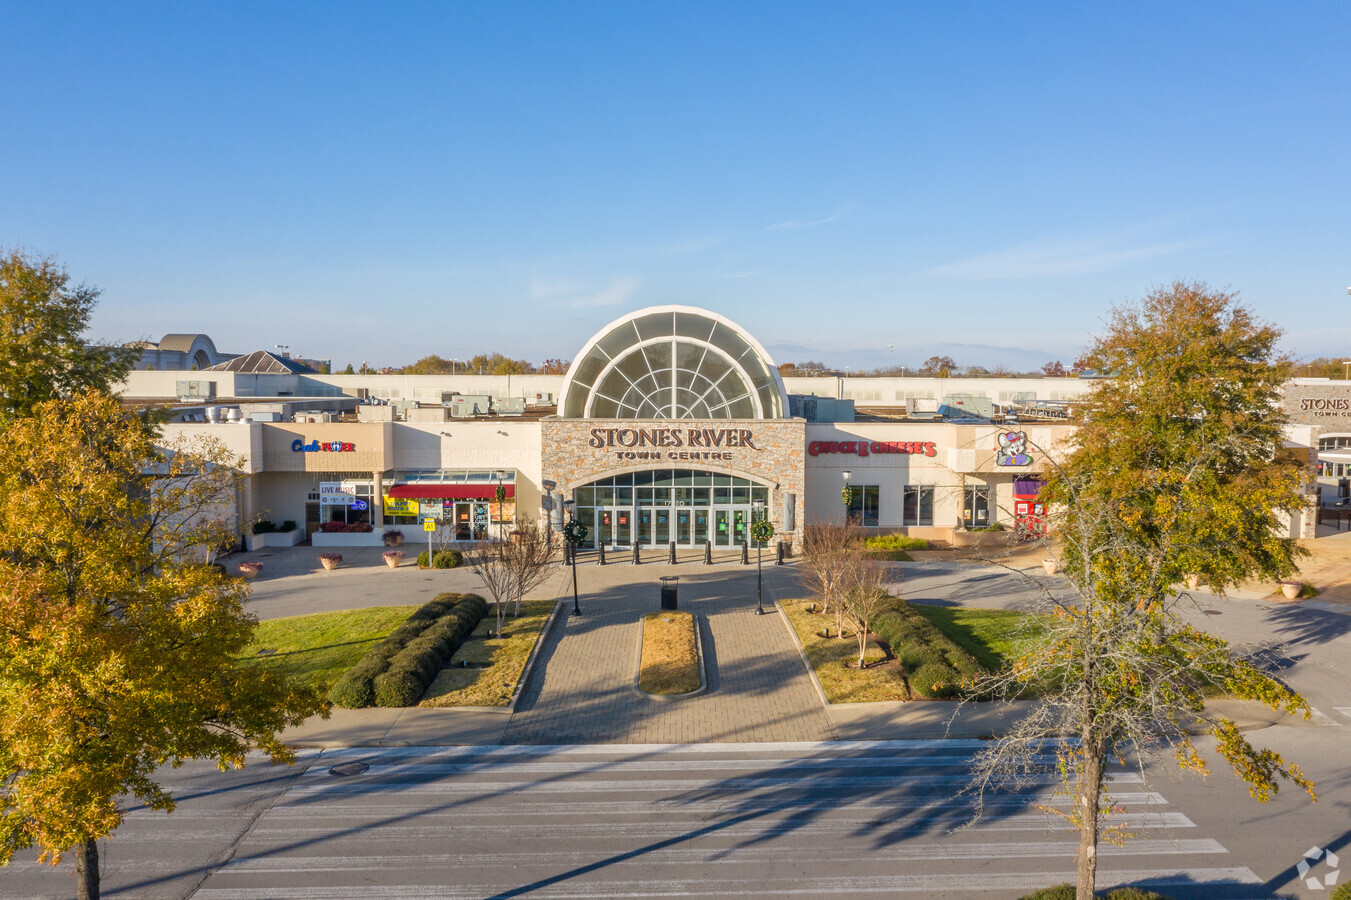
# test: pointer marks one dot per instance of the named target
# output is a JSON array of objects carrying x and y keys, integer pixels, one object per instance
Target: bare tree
[
  {"x": 512, "y": 568},
  {"x": 864, "y": 595},
  {"x": 829, "y": 552}
]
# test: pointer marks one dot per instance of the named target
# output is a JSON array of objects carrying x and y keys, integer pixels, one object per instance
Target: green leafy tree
[
  {"x": 42, "y": 353},
  {"x": 348, "y": 370},
  {"x": 941, "y": 366},
  {"x": 431, "y": 365},
  {"x": 1177, "y": 470},
  {"x": 118, "y": 644}
]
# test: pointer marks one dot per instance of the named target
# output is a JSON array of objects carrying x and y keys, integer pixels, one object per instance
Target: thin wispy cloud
[
  {"x": 542, "y": 286},
  {"x": 793, "y": 225},
  {"x": 619, "y": 291},
  {"x": 693, "y": 245},
  {"x": 1051, "y": 258}
]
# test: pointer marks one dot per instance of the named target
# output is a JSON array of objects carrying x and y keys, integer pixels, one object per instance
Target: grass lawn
[
  {"x": 829, "y": 655},
  {"x": 320, "y": 647},
  {"x": 670, "y": 659},
  {"x": 992, "y": 636},
  {"x": 505, "y": 656}
]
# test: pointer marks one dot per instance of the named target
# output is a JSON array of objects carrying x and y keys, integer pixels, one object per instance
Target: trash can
[{"x": 668, "y": 591}]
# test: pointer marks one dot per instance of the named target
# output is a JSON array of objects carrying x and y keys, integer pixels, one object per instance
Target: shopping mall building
[{"x": 673, "y": 425}]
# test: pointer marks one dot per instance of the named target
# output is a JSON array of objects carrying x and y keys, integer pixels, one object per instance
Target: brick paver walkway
[{"x": 581, "y": 688}]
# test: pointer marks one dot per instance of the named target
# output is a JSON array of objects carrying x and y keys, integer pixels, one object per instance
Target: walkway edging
[
  {"x": 534, "y": 654},
  {"x": 802, "y": 654},
  {"x": 698, "y": 651}
]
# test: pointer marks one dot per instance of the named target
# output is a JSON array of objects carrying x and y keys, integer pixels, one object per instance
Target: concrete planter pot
[
  {"x": 1292, "y": 589},
  {"x": 392, "y": 558},
  {"x": 347, "y": 539},
  {"x": 1050, "y": 566},
  {"x": 250, "y": 570},
  {"x": 274, "y": 539},
  {"x": 1193, "y": 582},
  {"x": 330, "y": 562}
]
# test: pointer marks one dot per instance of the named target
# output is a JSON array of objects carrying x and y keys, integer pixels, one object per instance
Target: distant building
[{"x": 179, "y": 353}]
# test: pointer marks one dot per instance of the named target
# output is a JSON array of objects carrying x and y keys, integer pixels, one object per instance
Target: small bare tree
[
  {"x": 864, "y": 595},
  {"x": 512, "y": 568},
  {"x": 829, "y": 550}
]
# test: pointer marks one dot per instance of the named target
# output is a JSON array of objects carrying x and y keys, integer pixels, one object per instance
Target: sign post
[{"x": 429, "y": 526}]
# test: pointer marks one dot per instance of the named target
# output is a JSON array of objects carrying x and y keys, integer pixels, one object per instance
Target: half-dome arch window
[{"x": 673, "y": 362}]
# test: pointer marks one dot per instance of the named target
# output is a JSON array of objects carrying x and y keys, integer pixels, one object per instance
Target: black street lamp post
[
  {"x": 574, "y": 533},
  {"x": 761, "y": 531}
]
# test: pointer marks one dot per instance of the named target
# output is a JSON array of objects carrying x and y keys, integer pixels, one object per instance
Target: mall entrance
[{"x": 654, "y": 508}]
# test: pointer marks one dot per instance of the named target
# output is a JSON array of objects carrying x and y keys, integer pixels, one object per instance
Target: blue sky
[{"x": 379, "y": 182}]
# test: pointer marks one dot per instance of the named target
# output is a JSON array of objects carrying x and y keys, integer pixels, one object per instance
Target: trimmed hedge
[
  {"x": 397, "y": 671},
  {"x": 443, "y": 559},
  {"x": 895, "y": 542},
  {"x": 1066, "y": 892},
  {"x": 935, "y": 667}
]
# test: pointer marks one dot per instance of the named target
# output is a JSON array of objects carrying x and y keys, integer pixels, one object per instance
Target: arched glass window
[{"x": 673, "y": 362}]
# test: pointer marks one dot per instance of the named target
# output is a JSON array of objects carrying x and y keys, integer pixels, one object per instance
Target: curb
[
  {"x": 534, "y": 655},
  {"x": 698, "y": 651},
  {"x": 802, "y": 654}
]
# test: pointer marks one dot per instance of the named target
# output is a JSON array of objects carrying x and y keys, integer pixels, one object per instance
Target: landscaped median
[
  {"x": 319, "y": 647},
  {"x": 486, "y": 670},
  {"x": 669, "y": 664},
  {"x": 914, "y": 652}
]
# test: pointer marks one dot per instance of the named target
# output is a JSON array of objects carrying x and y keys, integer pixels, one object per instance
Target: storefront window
[
  {"x": 918, "y": 507},
  {"x": 863, "y": 505}
]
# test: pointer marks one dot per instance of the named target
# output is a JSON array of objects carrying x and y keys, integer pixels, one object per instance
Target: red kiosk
[{"x": 1029, "y": 513}]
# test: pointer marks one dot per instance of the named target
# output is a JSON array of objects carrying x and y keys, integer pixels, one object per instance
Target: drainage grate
[{"x": 347, "y": 769}]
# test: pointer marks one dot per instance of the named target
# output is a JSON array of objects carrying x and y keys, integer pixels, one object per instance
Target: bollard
[
  {"x": 778, "y": 554},
  {"x": 601, "y": 549},
  {"x": 745, "y": 553},
  {"x": 672, "y": 560},
  {"x": 708, "y": 553},
  {"x": 637, "y": 555}
]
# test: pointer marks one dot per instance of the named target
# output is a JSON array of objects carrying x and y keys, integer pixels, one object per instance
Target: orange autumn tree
[
  {"x": 117, "y": 641},
  {"x": 1178, "y": 470}
]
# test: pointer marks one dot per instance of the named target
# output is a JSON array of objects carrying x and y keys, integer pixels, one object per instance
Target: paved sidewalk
[{"x": 581, "y": 691}]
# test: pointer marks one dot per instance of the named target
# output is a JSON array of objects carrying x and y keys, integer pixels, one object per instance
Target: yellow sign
[
  {"x": 428, "y": 524},
  {"x": 400, "y": 506}
]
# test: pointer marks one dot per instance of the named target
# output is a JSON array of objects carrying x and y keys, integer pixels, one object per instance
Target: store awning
[{"x": 450, "y": 491}]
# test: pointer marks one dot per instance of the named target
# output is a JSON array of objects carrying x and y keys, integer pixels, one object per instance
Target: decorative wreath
[
  {"x": 501, "y": 493},
  {"x": 574, "y": 532},
  {"x": 762, "y": 531},
  {"x": 847, "y": 495}
]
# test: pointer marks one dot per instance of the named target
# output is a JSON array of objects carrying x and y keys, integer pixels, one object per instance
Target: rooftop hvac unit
[
  {"x": 510, "y": 406},
  {"x": 312, "y": 417},
  {"x": 265, "y": 417}
]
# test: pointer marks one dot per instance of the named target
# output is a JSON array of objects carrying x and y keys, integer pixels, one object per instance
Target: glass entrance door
[
  {"x": 702, "y": 534},
  {"x": 976, "y": 507},
  {"x": 722, "y": 527},
  {"x": 643, "y": 526},
  {"x": 684, "y": 530}
]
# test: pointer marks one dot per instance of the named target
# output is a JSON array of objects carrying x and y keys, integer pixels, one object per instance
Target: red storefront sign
[{"x": 863, "y": 448}]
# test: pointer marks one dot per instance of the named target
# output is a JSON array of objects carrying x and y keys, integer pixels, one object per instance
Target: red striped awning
[{"x": 450, "y": 491}]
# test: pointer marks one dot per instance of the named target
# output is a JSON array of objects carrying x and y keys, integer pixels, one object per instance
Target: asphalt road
[{"x": 702, "y": 820}]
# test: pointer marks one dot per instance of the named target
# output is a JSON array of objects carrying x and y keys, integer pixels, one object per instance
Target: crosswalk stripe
[{"x": 729, "y": 887}]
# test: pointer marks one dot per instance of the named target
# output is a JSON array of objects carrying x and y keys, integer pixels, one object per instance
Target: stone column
[{"x": 378, "y": 501}]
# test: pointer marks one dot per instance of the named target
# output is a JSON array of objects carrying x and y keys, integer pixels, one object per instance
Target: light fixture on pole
[
  {"x": 891, "y": 352},
  {"x": 1347, "y": 371},
  {"x": 847, "y": 495},
  {"x": 761, "y": 531},
  {"x": 574, "y": 533},
  {"x": 500, "y": 495}
]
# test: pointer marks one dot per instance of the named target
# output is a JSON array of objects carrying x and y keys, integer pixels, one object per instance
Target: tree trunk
[
  {"x": 1089, "y": 790},
  {"x": 87, "y": 871}
]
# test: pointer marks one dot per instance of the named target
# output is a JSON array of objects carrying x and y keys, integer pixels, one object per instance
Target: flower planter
[
  {"x": 1050, "y": 566},
  {"x": 1291, "y": 589},
  {"x": 392, "y": 558},
  {"x": 1193, "y": 582},
  {"x": 274, "y": 539},
  {"x": 330, "y": 561},
  {"x": 347, "y": 539},
  {"x": 393, "y": 540},
  {"x": 250, "y": 570}
]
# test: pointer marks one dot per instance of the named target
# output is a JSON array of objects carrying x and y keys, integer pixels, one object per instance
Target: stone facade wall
[
  {"x": 576, "y": 452},
  {"x": 1326, "y": 405}
]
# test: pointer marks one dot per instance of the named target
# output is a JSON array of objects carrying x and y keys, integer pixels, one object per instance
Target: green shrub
[
  {"x": 411, "y": 654},
  {"x": 895, "y": 542},
  {"x": 398, "y": 689},
  {"x": 935, "y": 680},
  {"x": 264, "y": 526},
  {"x": 443, "y": 559},
  {"x": 1341, "y": 892},
  {"x": 1066, "y": 892},
  {"x": 995, "y": 527}
]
